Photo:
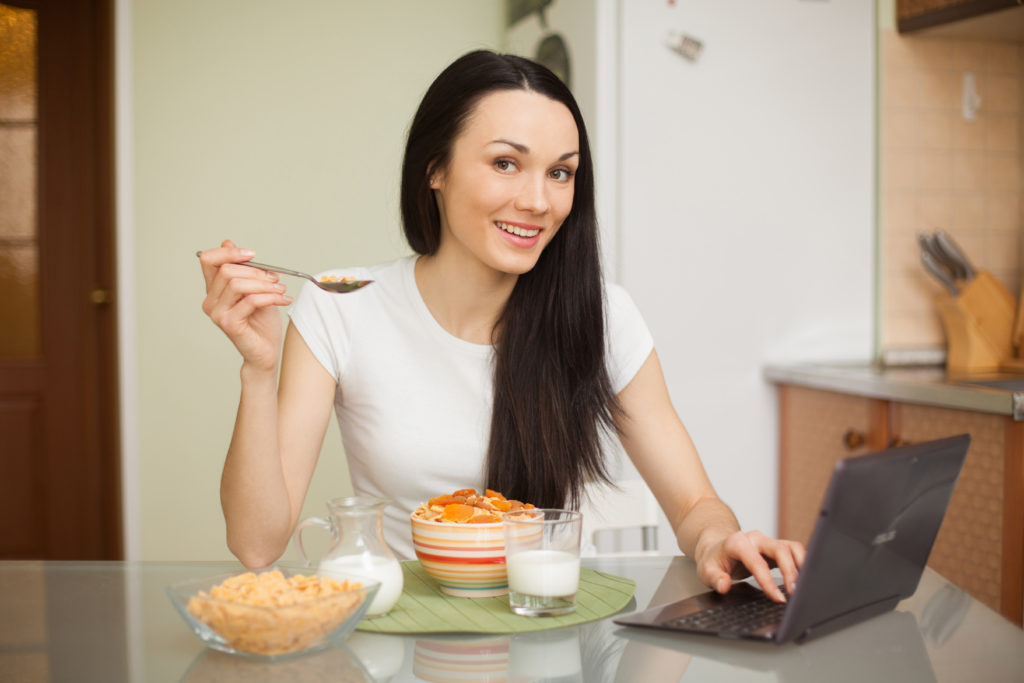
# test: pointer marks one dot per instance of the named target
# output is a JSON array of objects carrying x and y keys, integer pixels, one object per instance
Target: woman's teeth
[{"x": 521, "y": 232}]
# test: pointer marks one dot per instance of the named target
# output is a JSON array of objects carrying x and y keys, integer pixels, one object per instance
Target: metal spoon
[{"x": 340, "y": 287}]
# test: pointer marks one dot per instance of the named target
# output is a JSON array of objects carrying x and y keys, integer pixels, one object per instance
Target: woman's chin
[{"x": 516, "y": 263}]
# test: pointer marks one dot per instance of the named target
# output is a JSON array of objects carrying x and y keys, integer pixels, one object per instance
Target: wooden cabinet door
[
  {"x": 979, "y": 546},
  {"x": 913, "y": 15},
  {"x": 817, "y": 428}
]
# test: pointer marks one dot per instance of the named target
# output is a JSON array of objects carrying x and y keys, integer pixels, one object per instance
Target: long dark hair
[{"x": 553, "y": 398}]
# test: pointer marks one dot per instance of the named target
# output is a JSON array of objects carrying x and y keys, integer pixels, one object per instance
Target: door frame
[{"x": 124, "y": 185}]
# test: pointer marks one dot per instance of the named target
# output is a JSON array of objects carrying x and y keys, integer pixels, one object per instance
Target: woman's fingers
[
  {"x": 799, "y": 553},
  {"x": 212, "y": 259},
  {"x": 748, "y": 548},
  {"x": 239, "y": 298},
  {"x": 234, "y": 281},
  {"x": 237, "y": 319},
  {"x": 730, "y": 559},
  {"x": 785, "y": 558},
  {"x": 754, "y": 553}
]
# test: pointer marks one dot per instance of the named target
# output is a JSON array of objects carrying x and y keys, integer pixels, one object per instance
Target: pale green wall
[
  {"x": 278, "y": 125},
  {"x": 886, "y": 13}
]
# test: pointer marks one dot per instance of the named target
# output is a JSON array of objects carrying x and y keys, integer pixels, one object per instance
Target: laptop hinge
[{"x": 848, "y": 618}]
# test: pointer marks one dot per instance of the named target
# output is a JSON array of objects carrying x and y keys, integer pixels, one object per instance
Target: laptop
[{"x": 876, "y": 527}]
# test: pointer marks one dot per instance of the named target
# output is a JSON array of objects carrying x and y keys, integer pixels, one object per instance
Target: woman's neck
[{"x": 465, "y": 298}]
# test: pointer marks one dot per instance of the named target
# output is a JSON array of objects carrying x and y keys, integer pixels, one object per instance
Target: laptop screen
[{"x": 876, "y": 527}]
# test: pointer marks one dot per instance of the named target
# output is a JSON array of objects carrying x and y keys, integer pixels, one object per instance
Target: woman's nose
[{"x": 533, "y": 195}]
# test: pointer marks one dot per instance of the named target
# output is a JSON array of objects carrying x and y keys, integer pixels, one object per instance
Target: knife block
[{"x": 979, "y": 325}]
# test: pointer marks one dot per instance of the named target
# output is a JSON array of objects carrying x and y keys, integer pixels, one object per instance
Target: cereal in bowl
[
  {"x": 297, "y": 611},
  {"x": 466, "y": 506}
]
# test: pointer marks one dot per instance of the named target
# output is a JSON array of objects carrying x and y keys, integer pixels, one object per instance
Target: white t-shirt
[{"x": 414, "y": 402}]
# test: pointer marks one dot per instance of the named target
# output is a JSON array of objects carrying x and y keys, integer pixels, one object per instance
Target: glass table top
[{"x": 111, "y": 621}]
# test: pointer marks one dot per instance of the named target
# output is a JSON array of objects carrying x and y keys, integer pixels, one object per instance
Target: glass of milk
[{"x": 542, "y": 559}]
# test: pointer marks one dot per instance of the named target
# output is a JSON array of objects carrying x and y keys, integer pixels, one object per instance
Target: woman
[{"x": 496, "y": 357}]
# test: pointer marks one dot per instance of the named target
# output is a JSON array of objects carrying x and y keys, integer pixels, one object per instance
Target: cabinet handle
[
  {"x": 853, "y": 439},
  {"x": 897, "y": 441}
]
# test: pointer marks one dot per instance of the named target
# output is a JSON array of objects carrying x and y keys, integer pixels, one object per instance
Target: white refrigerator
[{"x": 735, "y": 142}]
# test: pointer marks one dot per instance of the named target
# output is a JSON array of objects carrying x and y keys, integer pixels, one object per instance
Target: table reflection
[
  {"x": 382, "y": 656},
  {"x": 539, "y": 656},
  {"x": 889, "y": 647},
  {"x": 475, "y": 660},
  {"x": 586, "y": 652},
  {"x": 567, "y": 655},
  {"x": 944, "y": 614},
  {"x": 334, "y": 664}
]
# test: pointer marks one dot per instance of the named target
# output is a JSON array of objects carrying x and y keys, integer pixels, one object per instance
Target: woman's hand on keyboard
[{"x": 745, "y": 553}]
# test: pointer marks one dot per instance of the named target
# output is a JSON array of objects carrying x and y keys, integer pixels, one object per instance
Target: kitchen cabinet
[
  {"x": 980, "y": 546},
  {"x": 913, "y": 15}
]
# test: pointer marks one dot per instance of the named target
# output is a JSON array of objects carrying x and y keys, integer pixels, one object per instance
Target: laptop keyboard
[{"x": 732, "y": 618}]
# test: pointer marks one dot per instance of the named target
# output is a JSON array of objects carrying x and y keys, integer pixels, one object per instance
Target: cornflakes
[
  {"x": 270, "y": 615},
  {"x": 466, "y": 506},
  {"x": 335, "y": 278}
]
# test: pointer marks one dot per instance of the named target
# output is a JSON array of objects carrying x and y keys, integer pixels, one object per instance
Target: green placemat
[{"x": 423, "y": 608}]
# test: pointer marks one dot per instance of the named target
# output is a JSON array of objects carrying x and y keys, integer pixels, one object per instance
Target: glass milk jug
[{"x": 357, "y": 548}]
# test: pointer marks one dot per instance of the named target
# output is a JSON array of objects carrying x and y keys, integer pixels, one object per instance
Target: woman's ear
[{"x": 434, "y": 177}]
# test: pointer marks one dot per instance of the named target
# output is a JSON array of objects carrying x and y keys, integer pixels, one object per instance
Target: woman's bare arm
[
  {"x": 273, "y": 453},
  {"x": 705, "y": 527},
  {"x": 278, "y": 429}
]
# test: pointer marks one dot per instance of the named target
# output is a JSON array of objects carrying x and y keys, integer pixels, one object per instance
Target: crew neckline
[{"x": 435, "y": 328}]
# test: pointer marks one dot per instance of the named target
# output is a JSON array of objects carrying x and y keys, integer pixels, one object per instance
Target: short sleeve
[
  {"x": 629, "y": 341},
  {"x": 318, "y": 320}
]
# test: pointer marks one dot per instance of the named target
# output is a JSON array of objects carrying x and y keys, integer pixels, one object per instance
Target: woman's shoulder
[
  {"x": 333, "y": 324},
  {"x": 388, "y": 284},
  {"x": 625, "y": 320},
  {"x": 618, "y": 297},
  {"x": 628, "y": 337}
]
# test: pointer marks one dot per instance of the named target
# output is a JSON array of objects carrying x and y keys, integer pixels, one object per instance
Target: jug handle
[{"x": 311, "y": 521}]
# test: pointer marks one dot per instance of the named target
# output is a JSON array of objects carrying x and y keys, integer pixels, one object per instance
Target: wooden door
[{"x": 59, "y": 460}]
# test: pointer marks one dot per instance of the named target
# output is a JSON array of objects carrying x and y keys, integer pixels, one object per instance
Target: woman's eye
[
  {"x": 504, "y": 164},
  {"x": 561, "y": 174}
]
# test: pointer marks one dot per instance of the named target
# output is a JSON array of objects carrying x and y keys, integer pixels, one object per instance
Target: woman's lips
[
  {"x": 520, "y": 234},
  {"x": 518, "y": 229}
]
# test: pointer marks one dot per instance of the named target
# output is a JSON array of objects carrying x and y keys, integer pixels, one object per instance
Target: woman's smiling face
[{"x": 509, "y": 182}]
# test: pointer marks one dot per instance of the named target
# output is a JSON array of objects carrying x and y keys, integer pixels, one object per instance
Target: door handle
[{"x": 100, "y": 297}]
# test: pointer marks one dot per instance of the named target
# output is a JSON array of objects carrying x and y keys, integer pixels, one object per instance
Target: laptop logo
[{"x": 884, "y": 537}]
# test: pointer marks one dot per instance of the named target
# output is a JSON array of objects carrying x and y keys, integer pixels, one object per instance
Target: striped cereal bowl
[{"x": 466, "y": 560}]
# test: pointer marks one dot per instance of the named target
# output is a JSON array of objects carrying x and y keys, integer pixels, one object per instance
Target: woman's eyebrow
[{"x": 523, "y": 149}]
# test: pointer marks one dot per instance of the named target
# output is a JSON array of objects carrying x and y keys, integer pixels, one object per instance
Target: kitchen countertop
[
  {"x": 110, "y": 621},
  {"x": 927, "y": 385}
]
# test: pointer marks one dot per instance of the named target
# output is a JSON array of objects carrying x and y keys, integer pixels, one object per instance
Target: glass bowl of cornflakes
[{"x": 273, "y": 613}]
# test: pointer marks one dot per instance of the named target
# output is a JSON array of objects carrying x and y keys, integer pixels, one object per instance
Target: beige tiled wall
[{"x": 940, "y": 171}]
